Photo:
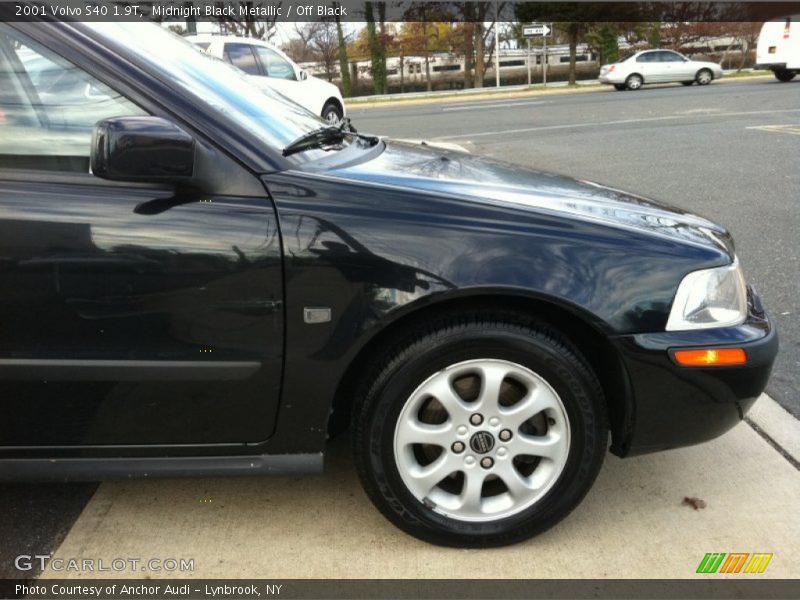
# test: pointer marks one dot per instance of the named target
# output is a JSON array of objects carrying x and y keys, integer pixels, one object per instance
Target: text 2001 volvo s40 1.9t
[{"x": 199, "y": 278}]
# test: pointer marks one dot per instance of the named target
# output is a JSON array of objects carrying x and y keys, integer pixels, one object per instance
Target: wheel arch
[
  {"x": 336, "y": 102},
  {"x": 701, "y": 69},
  {"x": 579, "y": 328}
]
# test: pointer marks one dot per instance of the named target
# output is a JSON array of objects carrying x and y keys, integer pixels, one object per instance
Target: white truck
[{"x": 779, "y": 48}]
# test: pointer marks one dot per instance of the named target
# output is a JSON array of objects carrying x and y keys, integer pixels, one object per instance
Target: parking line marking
[
  {"x": 793, "y": 129},
  {"x": 618, "y": 122},
  {"x": 498, "y": 105}
]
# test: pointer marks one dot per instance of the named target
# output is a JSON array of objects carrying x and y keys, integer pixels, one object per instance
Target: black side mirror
[{"x": 148, "y": 149}]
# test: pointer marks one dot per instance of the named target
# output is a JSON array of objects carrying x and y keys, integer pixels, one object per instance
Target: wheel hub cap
[{"x": 482, "y": 442}]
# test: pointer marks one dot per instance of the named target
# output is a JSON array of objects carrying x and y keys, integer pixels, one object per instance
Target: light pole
[
  {"x": 544, "y": 61},
  {"x": 496, "y": 46},
  {"x": 528, "y": 61}
]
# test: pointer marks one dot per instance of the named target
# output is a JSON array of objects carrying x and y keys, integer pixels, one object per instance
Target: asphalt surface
[
  {"x": 34, "y": 518},
  {"x": 728, "y": 151}
]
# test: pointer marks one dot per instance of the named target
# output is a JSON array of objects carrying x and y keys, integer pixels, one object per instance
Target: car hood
[{"x": 483, "y": 180}]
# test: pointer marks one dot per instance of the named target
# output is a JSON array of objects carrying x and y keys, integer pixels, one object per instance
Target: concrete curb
[{"x": 782, "y": 429}]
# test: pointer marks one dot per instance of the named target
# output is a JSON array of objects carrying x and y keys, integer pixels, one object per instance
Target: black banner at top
[{"x": 391, "y": 11}]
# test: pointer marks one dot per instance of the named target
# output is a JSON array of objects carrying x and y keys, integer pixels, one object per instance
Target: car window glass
[
  {"x": 646, "y": 57},
  {"x": 242, "y": 57},
  {"x": 276, "y": 65},
  {"x": 48, "y": 107},
  {"x": 669, "y": 57},
  {"x": 218, "y": 87}
]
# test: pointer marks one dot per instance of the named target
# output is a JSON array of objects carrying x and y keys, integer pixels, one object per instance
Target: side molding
[{"x": 103, "y": 469}]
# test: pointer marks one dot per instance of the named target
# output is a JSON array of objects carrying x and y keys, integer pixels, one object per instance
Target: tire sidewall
[
  {"x": 330, "y": 108},
  {"x": 699, "y": 75},
  {"x": 632, "y": 78},
  {"x": 551, "y": 362}
]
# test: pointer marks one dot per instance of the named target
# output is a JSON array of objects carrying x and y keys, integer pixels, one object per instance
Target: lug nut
[
  {"x": 505, "y": 435},
  {"x": 487, "y": 462},
  {"x": 458, "y": 447},
  {"x": 476, "y": 419}
]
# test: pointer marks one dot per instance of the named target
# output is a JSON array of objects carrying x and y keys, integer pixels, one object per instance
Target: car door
[
  {"x": 647, "y": 66},
  {"x": 129, "y": 315},
  {"x": 681, "y": 68},
  {"x": 663, "y": 70},
  {"x": 283, "y": 77}
]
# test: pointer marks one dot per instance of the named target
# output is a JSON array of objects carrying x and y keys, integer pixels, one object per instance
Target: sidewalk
[{"x": 631, "y": 525}]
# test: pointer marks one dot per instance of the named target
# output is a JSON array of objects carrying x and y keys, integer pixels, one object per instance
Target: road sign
[{"x": 536, "y": 30}]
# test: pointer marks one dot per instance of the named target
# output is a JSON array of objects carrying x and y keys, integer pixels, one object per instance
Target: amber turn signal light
[{"x": 710, "y": 357}]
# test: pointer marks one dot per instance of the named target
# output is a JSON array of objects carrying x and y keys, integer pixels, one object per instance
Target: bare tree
[
  {"x": 476, "y": 40},
  {"x": 324, "y": 45},
  {"x": 485, "y": 42},
  {"x": 252, "y": 24},
  {"x": 299, "y": 47},
  {"x": 747, "y": 34}
]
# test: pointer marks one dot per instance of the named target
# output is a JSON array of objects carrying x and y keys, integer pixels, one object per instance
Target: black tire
[
  {"x": 620, "y": 87},
  {"x": 704, "y": 77},
  {"x": 502, "y": 337},
  {"x": 784, "y": 75},
  {"x": 687, "y": 83},
  {"x": 332, "y": 113},
  {"x": 634, "y": 82}
]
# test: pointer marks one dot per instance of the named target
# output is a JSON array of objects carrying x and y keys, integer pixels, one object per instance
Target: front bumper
[
  {"x": 769, "y": 66},
  {"x": 676, "y": 406}
]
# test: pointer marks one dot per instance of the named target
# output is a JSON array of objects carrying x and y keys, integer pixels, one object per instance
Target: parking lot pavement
[
  {"x": 35, "y": 517},
  {"x": 633, "y": 523}
]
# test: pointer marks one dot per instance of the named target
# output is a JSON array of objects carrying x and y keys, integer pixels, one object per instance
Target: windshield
[{"x": 224, "y": 88}]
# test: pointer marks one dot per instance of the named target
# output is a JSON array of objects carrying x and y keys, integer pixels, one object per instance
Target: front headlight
[{"x": 710, "y": 298}]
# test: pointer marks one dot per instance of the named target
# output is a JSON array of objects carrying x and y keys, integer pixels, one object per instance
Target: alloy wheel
[
  {"x": 704, "y": 77},
  {"x": 634, "y": 82},
  {"x": 332, "y": 118},
  {"x": 481, "y": 440}
]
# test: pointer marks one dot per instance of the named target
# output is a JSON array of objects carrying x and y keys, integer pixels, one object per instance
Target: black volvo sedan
[{"x": 201, "y": 278}]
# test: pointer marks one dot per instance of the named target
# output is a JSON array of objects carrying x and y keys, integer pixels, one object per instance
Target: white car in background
[
  {"x": 267, "y": 65},
  {"x": 658, "y": 66}
]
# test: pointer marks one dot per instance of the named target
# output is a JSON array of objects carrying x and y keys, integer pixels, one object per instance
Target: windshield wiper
[{"x": 326, "y": 136}]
